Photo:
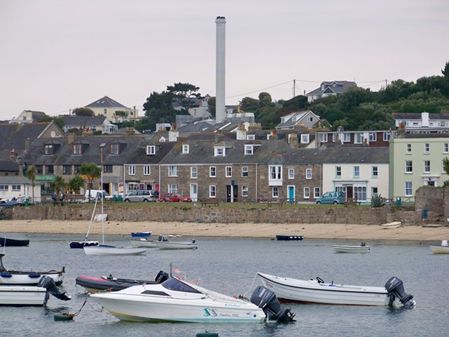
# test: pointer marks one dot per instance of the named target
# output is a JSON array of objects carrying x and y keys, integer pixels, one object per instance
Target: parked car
[
  {"x": 95, "y": 194},
  {"x": 175, "y": 197},
  {"x": 139, "y": 196},
  {"x": 331, "y": 198},
  {"x": 20, "y": 201}
]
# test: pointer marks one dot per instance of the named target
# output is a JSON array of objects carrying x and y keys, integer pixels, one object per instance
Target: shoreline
[{"x": 234, "y": 230}]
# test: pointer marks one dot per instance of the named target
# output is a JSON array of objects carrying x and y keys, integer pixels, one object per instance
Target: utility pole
[
  {"x": 386, "y": 84},
  {"x": 294, "y": 88}
]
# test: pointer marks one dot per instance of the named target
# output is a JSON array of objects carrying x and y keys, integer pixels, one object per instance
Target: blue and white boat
[{"x": 144, "y": 235}]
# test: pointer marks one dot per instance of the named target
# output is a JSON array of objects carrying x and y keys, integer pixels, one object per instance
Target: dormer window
[
  {"x": 219, "y": 151},
  {"x": 249, "y": 149},
  {"x": 250, "y": 137},
  {"x": 77, "y": 149},
  {"x": 114, "y": 148},
  {"x": 185, "y": 148},
  {"x": 48, "y": 149},
  {"x": 151, "y": 150},
  {"x": 305, "y": 138}
]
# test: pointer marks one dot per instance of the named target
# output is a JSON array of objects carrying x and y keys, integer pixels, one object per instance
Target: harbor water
[{"x": 229, "y": 266}]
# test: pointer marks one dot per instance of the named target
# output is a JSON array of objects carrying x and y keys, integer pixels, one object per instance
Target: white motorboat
[
  {"x": 362, "y": 248},
  {"x": 27, "y": 278},
  {"x": 318, "y": 291},
  {"x": 143, "y": 243},
  {"x": 179, "y": 301},
  {"x": 113, "y": 250},
  {"x": 177, "y": 244},
  {"x": 443, "y": 249}
]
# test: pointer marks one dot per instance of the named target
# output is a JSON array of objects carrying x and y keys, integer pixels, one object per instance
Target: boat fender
[
  {"x": 34, "y": 275},
  {"x": 395, "y": 289},
  {"x": 5, "y": 274}
]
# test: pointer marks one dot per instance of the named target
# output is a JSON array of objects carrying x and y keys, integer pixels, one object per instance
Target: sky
[{"x": 56, "y": 55}]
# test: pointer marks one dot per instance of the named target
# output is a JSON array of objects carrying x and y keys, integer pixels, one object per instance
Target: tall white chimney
[{"x": 220, "y": 110}]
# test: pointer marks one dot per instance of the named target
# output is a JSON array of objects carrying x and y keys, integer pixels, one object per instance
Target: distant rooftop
[{"x": 106, "y": 102}]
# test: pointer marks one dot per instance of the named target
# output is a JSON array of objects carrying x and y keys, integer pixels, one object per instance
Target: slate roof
[
  {"x": 417, "y": 115},
  {"x": 14, "y": 180},
  {"x": 13, "y": 136},
  {"x": 82, "y": 121},
  {"x": 337, "y": 87},
  {"x": 106, "y": 102},
  {"x": 8, "y": 166},
  {"x": 295, "y": 119}
]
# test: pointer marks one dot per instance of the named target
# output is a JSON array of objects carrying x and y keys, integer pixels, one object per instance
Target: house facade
[
  {"x": 89, "y": 124},
  {"x": 18, "y": 186},
  {"x": 306, "y": 119},
  {"x": 419, "y": 121},
  {"x": 351, "y": 138},
  {"x": 417, "y": 160},
  {"x": 330, "y": 88},
  {"x": 112, "y": 110}
]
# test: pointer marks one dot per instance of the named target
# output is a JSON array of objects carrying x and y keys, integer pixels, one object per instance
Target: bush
[{"x": 377, "y": 200}]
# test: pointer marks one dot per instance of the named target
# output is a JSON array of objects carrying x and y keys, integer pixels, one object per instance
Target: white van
[{"x": 95, "y": 194}]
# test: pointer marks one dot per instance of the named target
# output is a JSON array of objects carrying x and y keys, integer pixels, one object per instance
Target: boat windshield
[{"x": 177, "y": 285}]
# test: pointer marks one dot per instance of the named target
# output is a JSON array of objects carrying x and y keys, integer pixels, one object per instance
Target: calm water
[{"x": 229, "y": 266}]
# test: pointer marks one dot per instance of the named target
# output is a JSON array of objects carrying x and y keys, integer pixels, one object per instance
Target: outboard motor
[
  {"x": 49, "y": 284},
  {"x": 161, "y": 277},
  {"x": 395, "y": 289},
  {"x": 268, "y": 302}
]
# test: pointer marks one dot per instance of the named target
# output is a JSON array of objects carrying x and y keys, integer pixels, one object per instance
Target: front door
[
  {"x": 349, "y": 194},
  {"x": 291, "y": 194},
  {"x": 194, "y": 192}
]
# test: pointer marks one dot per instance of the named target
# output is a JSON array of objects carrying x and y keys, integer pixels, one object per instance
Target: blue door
[{"x": 291, "y": 194}]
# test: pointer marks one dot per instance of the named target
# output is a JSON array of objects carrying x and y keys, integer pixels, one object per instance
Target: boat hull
[
  {"x": 96, "y": 284},
  {"x": 170, "y": 245},
  {"x": 311, "y": 291},
  {"x": 439, "y": 249},
  {"x": 143, "y": 243},
  {"x": 289, "y": 237},
  {"x": 140, "y": 234},
  {"x": 351, "y": 249},
  {"x": 82, "y": 244},
  {"x": 13, "y": 242},
  {"x": 27, "y": 278},
  {"x": 107, "y": 250},
  {"x": 22, "y": 296}
]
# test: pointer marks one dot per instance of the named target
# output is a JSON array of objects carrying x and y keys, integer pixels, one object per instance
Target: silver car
[{"x": 139, "y": 196}]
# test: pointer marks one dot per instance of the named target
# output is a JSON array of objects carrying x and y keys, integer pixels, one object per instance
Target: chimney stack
[{"x": 220, "y": 111}]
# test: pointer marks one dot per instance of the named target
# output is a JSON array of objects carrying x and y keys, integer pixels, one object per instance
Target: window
[
  {"x": 146, "y": 170},
  {"x": 3, "y": 187},
  {"x": 408, "y": 188},
  {"x": 244, "y": 191},
  {"x": 275, "y": 172},
  {"x": 67, "y": 169},
  {"x": 132, "y": 170},
  {"x": 250, "y": 137},
  {"x": 346, "y": 137},
  {"x": 338, "y": 171},
  {"x": 446, "y": 148},
  {"x": 309, "y": 173},
  {"x": 323, "y": 137},
  {"x": 306, "y": 192},
  {"x": 372, "y": 136},
  {"x": 173, "y": 171},
  {"x": 316, "y": 192},
  {"x": 107, "y": 168},
  {"x": 356, "y": 171},
  {"x": 48, "y": 149},
  {"x": 172, "y": 188},
  {"x": 76, "y": 169},
  {"x": 49, "y": 169},
  {"x": 374, "y": 171},
  {"x": 151, "y": 150},
  {"x": 408, "y": 166},
  {"x": 114, "y": 148},
  {"x": 249, "y": 150},
  {"x": 219, "y": 151},
  {"x": 185, "y": 148},
  {"x": 77, "y": 149},
  {"x": 305, "y": 138},
  {"x": 15, "y": 188},
  {"x": 360, "y": 192},
  {"x": 291, "y": 173},
  {"x": 426, "y": 166},
  {"x": 387, "y": 136},
  {"x": 105, "y": 111},
  {"x": 228, "y": 171},
  {"x": 374, "y": 191},
  {"x": 275, "y": 192},
  {"x": 212, "y": 191},
  {"x": 358, "y": 138},
  {"x": 212, "y": 171},
  {"x": 245, "y": 171},
  {"x": 193, "y": 172},
  {"x": 426, "y": 148},
  {"x": 409, "y": 148}
]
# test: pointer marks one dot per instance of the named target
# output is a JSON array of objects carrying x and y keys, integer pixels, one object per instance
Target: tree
[
  {"x": 265, "y": 99},
  {"x": 249, "y": 104},
  {"x": 83, "y": 112},
  {"x": 183, "y": 89},
  {"x": 91, "y": 171},
  {"x": 446, "y": 169},
  {"x": 76, "y": 183},
  {"x": 31, "y": 174},
  {"x": 445, "y": 70},
  {"x": 212, "y": 106}
]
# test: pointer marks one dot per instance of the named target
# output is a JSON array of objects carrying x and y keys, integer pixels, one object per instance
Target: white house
[
  {"x": 112, "y": 110},
  {"x": 18, "y": 186},
  {"x": 299, "y": 118},
  {"x": 330, "y": 88},
  {"x": 423, "y": 120}
]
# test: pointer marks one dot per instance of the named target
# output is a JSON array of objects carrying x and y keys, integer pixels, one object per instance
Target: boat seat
[{"x": 5, "y": 274}]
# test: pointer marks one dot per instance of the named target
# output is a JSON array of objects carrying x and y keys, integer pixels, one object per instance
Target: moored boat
[
  {"x": 4, "y": 241},
  {"x": 362, "y": 248},
  {"x": 82, "y": 244},
  {"x": 442, "y": 249},
  {"x": 180, "y": 301},
  {"x": 146, "y": 234},
  {"x": 289, "y": 237},
  {"x": 113, "y": 250},
  {"x": 168, "y": 244},
  {"x": 143, "y": 243},
  {"x": 318, "y": 291}
]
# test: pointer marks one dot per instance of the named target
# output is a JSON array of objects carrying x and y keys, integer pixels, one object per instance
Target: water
[{"x": 229, "y": 266}]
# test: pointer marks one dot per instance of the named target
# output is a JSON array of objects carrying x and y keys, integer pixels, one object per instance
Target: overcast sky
[{"x": 56, "y": 55}]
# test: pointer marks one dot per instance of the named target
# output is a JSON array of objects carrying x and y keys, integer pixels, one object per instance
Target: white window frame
[
  {"x": 275, "y": 172},
  {"x": 291, "y": 173},
  {"x": 228, "y": 171},
  {"x": 408, "y": 187},
  {"x": 212, "y": 172},
  {"x": 185, "y": 148},
  {"x": 193, "y": 172},
  {"x": 16, "y": 188},
  {"x": 323, "y": 137},
  {"x": 305, "y": 138},
  {"x": 426, "y": 166},
  {"x": 408, "y": 148},
  {"x": 372, "y": 136},
  {"x": 245, "y": 191},
  {"x": 337, "y": 171},
  {"x": 245, "y": 171},
  {"x": 306, "y": 192},
  {"x": 275, "y": 192},
  {"x": 212, "y": 191},
  {"x": 374, "y": 171},
  {"x": 309, "y": 173},
  {"x": 77, "y": 149},
  {"x": 346, "y": 137},
  {"x": 172, "y": 188},
  {"x": 172, "y": 171},
  {"x": 251, "y": 137},
  {"x": 48, "y": 149},
  {"x": 249, "y": 150},
  {"x": 387, "y": 136},
  {"x": 316, "y": 192},
  {"x": 356, "y": 171},
  {"x": 151, "y": 150},
  {"x": 426, "y": 148},
  {"x": 146, "y": 170},
  {"x": 360, "y": 193},
  {"x": 446, "y": 148},
  {"x": 219, "y": 151},
  {"x": 358, "y": 138},
  {"x": 4, "y": 187},
  {"x": 408, "y": 166},
  {"x": 131, "y": 170}
]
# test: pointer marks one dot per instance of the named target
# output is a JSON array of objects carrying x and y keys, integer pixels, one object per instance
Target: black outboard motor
[
  {"x": 49, "y": 284},
  {"x": 161, "y": 277},
  {"x": 268, "y": 302},
  {"x": 395, "y": 289}
]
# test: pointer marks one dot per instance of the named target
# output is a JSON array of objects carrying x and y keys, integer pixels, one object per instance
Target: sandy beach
[{"x": 312, "y": 231}]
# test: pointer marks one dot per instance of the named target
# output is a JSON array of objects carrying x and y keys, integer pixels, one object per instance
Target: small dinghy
[
  {"x": 318, "y": 291},
  {"x": 362, "y": 248},
  {"x": 7, "y": 242},
  {"x": 141, "y": 234},
  {"x": 82, "y": 244},
  {"x": 95, "y": 284},
  {"x": 289, "y": 237},
  {"x": 27, "y": 278},
  {"x": 168, "y": 244},
  {"x": 443, "y": 249},
  {"x": 113, "y": 250}
]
